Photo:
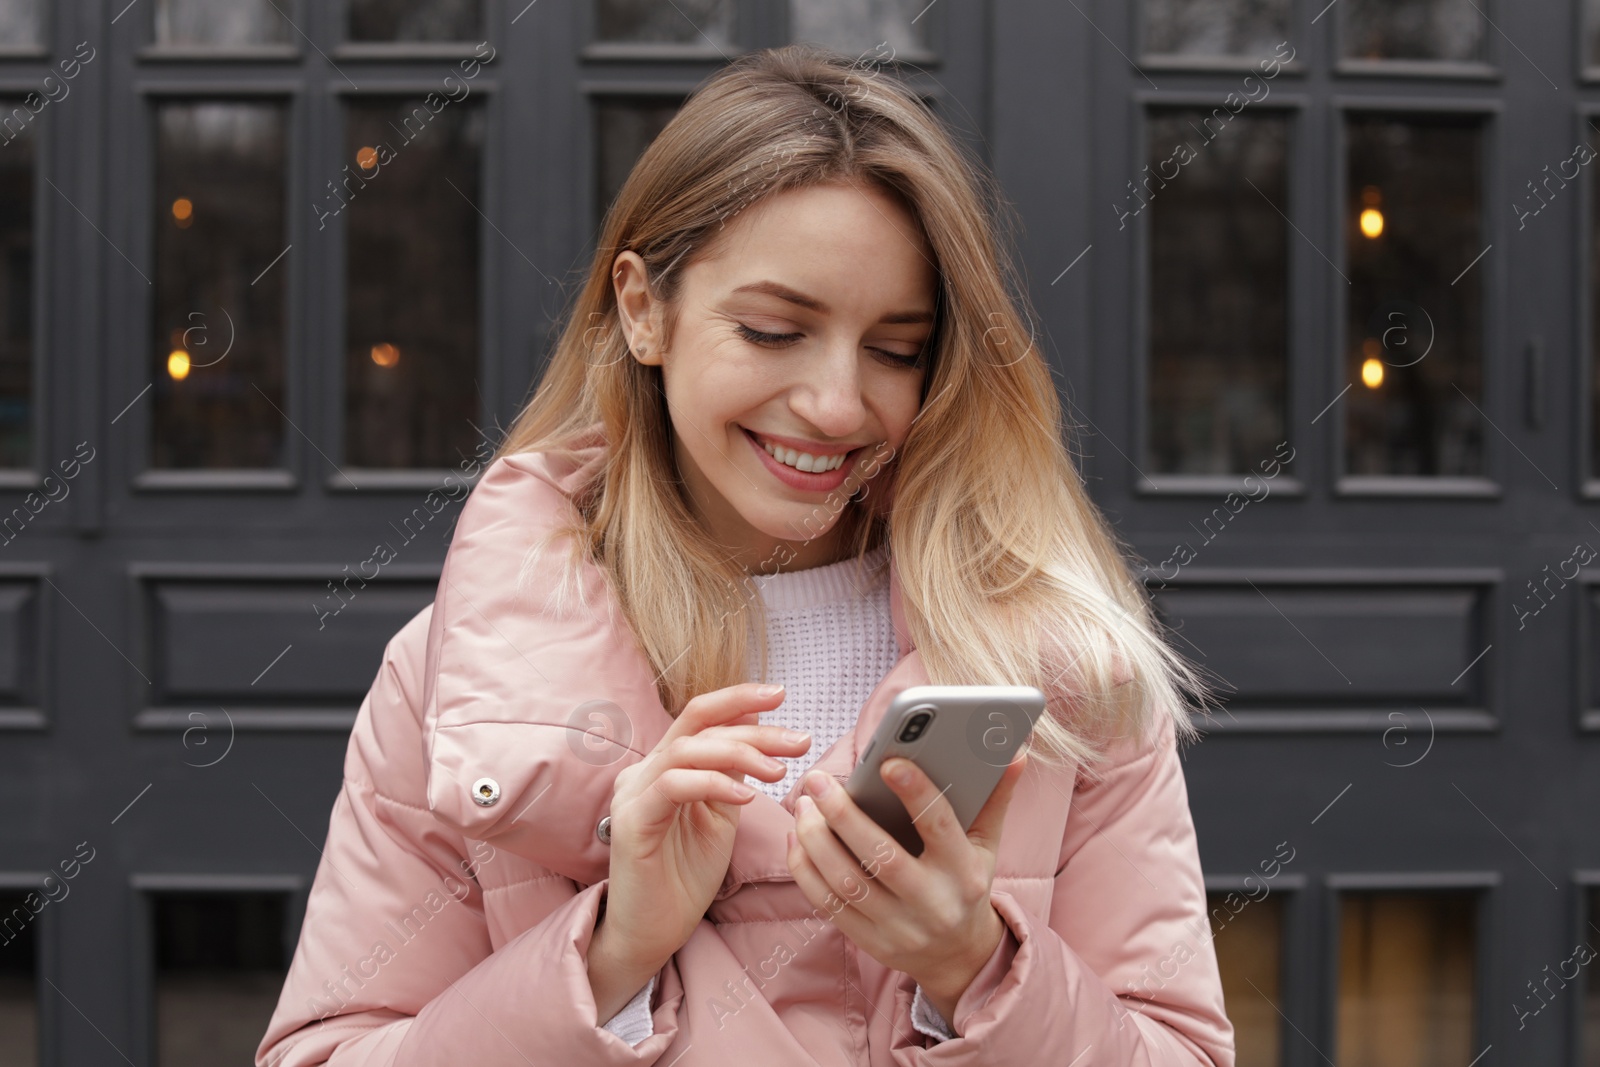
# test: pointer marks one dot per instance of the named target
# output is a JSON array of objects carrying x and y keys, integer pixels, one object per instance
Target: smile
[
  {"x": 803, "y": 461},
  {"x": 802, "y": 470}
]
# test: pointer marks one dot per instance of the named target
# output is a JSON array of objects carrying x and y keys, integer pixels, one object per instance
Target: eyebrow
[{"x": 783, "y": 292}]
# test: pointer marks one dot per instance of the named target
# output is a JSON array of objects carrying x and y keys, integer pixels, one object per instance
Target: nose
[{"x": 828, "y": 394}]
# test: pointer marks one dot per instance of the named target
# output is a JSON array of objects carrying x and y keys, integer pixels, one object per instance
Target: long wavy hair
[{"x": 1009, "y": 573}]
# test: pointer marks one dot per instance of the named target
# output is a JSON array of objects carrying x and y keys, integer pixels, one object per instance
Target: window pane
[
  {"x": 1591, "y": 31},
  {"x": 411, "y": 291},
  {"x": 229, "y": 23},
  {"x": 1247, "y": 28},
  {"x": 1414, "y": 319},
  {"x": 857, "y": 27},
  {"x": 1525, "y": 212},
  {"x": 625, "y": 129},
  {"x": 220, "y": 966},
  {"x": 681, "y": 22},
  {"x": 19, "y": 983},
  {"x": 1413, "y": 29},
  {"x": 415, "y": 20},
  {"x": 1407, "y": 972},
  {"x": 1218, "y": 287},
  {"x": 1588, "y": 937},
  {"x": 21, "y": 23},
  {"x": 219, "y": 311},
  {"x": 1247, "y": 932},
  {"x": 16, "y": 285}
]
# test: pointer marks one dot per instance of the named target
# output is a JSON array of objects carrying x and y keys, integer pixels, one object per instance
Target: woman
[{"x": 793, "y": 429}]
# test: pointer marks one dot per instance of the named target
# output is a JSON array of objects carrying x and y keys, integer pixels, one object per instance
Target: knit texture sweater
[{"x": 830, "y": 641}]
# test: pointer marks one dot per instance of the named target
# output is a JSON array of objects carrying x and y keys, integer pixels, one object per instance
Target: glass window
[
  {"x": 1591, "y": 32},
  {"x": 219, "y": 290},
  {"x": 1546, "y": 191},
  {"x": 876, "y": 28},
  {"x": 681, "y": 22},
  {"x": 1583, "y": 955},
  {"x": 411, "y": 290},
  {"x": 19, "y": 983},
  {"x": 415, "y": 20},
  {"x": 16, "y": 284},
  {"x": 1451, "y": 30},
  {"x": 1414, "y": 312},
  {"x": 1218, "y": 290},
  {"x": 21, "y": 23},
  {"x": 1247, "y": 932},
  {"x": 227, "y": 23},
  {"x": 220, "y": 965},
  {"x": 624, "y": 129},
  {"x": 1407, "y": 974},
  {"x": 1247, "y": 29}
]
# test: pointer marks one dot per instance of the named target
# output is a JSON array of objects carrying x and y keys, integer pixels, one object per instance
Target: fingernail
[
  {"x": 769, "y": 690},
  {"x": 900, "y": 774},
  {"x": 795, "y": 736},
  {"x": 819, "y": 785}
]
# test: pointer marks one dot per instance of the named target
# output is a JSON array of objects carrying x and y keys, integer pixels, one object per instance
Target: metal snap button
[
  {"x": 602, "y": 829},
  {"x": 486, "y": 791}
]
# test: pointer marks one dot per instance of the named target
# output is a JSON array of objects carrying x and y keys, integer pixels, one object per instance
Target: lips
[
  {"x": 795, "y": 478},
  {"x": 794, "y": 443}
]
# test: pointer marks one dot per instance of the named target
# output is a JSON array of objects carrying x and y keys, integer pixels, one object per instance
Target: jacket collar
[{"x": 503, "y": 672}]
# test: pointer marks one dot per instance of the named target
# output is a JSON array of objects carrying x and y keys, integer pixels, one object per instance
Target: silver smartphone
[{"x": 961, "y": 736}]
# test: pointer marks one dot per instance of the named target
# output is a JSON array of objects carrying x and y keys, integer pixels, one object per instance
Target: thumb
[{"x": 985, "y": 830}]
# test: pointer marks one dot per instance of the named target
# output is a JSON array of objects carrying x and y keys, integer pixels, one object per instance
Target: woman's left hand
[{"x": 928, "y": 916}]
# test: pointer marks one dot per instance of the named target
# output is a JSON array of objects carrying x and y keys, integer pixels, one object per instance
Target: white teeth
[{"x": 804, "y": 461}]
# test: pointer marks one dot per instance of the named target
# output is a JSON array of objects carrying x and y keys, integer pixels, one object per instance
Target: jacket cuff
[
  {"x": 988, "y": 979},
  {"x": 633, "y": 1023},
  {"x": 927, "y": 1020},
  {"x": 535, "y": 997}
]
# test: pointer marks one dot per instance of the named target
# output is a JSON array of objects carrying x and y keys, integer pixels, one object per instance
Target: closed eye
[
  {"x": 757, "y": 337},
  {"x": 779, "y": 339}
]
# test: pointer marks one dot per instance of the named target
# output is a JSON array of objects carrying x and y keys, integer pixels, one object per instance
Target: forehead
[{"x": 848, "y": 246}]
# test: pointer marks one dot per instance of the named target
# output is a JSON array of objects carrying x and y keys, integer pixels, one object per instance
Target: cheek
[{"x": 899, "y": 400}]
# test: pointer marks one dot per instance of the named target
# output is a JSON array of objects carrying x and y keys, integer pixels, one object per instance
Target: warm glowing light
[
  {"x": 367, "y": 158},
  {"x": 1372, "y": 222},
  {"x": 183, "y": 212},
  {"x": 1372, "y": 373},
  {"x": 178, "y": 364},
  {"x": 385, "y": 354}
]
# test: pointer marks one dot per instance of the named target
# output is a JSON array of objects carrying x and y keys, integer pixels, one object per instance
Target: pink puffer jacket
[{"x": 458, "y": 889}]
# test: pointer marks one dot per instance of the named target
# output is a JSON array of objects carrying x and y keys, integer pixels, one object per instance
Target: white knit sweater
[{"x": 830, "y": 641}]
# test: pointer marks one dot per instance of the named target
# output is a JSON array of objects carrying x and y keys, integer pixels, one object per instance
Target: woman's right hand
[{"x": 674, "y": 815}]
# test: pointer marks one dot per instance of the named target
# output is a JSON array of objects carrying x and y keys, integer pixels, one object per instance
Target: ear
[{"x": 637, "y": 310}]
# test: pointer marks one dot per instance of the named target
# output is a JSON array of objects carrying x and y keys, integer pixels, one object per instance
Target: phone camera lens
[{"x": 915, "y": 725}]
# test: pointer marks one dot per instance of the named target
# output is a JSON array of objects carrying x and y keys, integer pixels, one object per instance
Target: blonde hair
[{"x": 1009, "y": 574}]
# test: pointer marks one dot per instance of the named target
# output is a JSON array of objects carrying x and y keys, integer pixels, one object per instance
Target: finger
[
  {"x": 682, "y": 785},
  {"x": 840, "y": 871},
  {"x": 719, "y": 707},
  {"x": 984, "y": 832},
  {"x": 709, "y": 752},
  {"x": 871, "y": 849},
  {"x": 837, "y": 907},
  {"x": 773, "y": 740},
  {"x": 931, "y": 814}
]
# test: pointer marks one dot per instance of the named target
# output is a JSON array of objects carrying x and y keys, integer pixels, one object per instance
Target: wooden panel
[
  {"x": 1360, "y": 644},
  {"x": 285, "y": 643}
]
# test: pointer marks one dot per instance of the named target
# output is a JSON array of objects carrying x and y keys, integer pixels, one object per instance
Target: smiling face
[{"x": 803, "y": 334}]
